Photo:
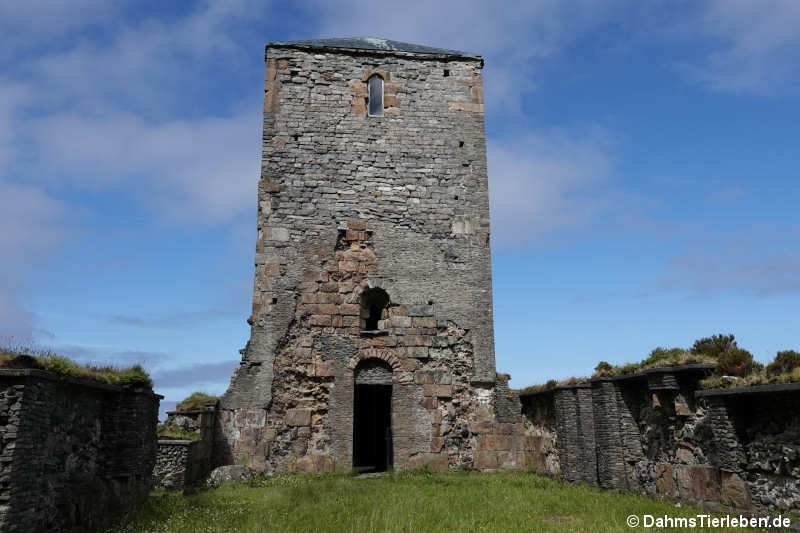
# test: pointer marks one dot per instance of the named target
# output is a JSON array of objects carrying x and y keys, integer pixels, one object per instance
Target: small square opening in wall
[
  {"x": 461, "y": 144},
  {"x": 446, "y": 72},
  {"x": 274, "y": 300}
]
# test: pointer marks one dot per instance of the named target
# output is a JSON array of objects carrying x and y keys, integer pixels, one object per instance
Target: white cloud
[
  {"x": 146, "y": 67},
  {"x": 31, "y": 24},
  {"x": 13, "y": 96},
  {"x": 16, "y": 323},
  {"x": 512, "y": 36},
  {"x": 31, "y": 226},
  {"x": 546, "y": 182},
  {"x": 29, "y": 222},
  {"x": 195, "y": 170},
  {"x": 753, "y": 46},
  {"x": 112, "y": 112},
  {"x": 762, "y": 262}
]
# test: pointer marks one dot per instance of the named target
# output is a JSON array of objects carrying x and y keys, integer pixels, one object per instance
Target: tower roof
[{"x": 374, "y": 43}]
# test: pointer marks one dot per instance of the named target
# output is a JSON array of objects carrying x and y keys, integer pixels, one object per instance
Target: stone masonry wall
[
  {"x": 541, "y": 433},
  {"x": 350, "y": 203},
  {"x": 657, "y": 433},
  {"x": 183, "y": 463},
  {"x": 74, "y": 455}
]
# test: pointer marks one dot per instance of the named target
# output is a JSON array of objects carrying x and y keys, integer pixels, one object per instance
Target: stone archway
[{"x": 372, "y": 416}]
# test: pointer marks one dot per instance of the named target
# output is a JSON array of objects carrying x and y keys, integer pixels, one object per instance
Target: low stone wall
[
  {"x": 75, "y": 455},
  {"x": 656, "y": 432},
  {"x": 183, "y": 463},
  {"x": 539, "y": 426},
  {"x": 173, "y": 462}
]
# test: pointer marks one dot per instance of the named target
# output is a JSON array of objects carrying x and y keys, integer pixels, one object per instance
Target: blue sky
[{"x": 643, "y": 162}]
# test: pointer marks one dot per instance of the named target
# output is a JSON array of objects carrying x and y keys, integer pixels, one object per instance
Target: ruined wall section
[
  {"x": 440, "y": 418},
  {"x": 541, "y": 433},
  {"x": 74, "y": 455},
  {"x": 656, "y": 432},
  {"x": 184, "y": 463}
]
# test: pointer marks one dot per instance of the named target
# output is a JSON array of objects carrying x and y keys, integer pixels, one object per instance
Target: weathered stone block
[
  {"x": 324, "y": 370},
  {"x": 357, "y": 225},
  {"x": 319, "y": 320},
  {"x": 429, "y": 402},
  {"x": 415, "y": 340},
  {"x": 419, "y": 310},
  {"x": 350, "y": 309},
  {"x": 665, "y": 480},
  {"x": 423, "y": 322},
  {"x": 486, "y": 460},
  {"x": 494, "y": 442},
  {"x": 418, "y": 352},
  {"x": 276, "y": 234},
  {"x": 701, "y": 483},
  {"x": 298, "y": 417},
  {"x": 734, "y": 491},
  {"x": 440, "y": 391}
]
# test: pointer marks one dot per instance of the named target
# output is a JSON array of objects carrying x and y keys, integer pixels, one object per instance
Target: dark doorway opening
[{"x": 372, "y": 428}]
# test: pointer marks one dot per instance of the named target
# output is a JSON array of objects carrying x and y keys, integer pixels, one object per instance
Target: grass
[
  {"x": 758, "y": 377},
  {"x": 196, "y": 400},
  {"x": 401, "y": 502},
  {"x": 658, "y": 358},
  {"x": 552, "y": 384},
  {"x": 22, "y": 357},
  {"x": 173, "y": 432}
]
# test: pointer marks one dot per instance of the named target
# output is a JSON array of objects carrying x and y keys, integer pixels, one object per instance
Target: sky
[{"x": 643, "y": 169}]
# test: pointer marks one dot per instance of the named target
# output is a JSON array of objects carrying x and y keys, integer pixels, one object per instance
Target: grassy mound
[
  {"x": 196, "y": 400},
  {"x": 44, "y": 360}
]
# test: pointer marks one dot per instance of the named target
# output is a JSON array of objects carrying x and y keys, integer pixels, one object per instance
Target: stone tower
[{"x": 372, "y": 340}]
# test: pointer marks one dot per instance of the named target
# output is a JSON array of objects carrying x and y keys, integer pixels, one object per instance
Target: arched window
[
  {"x": 375, "y": 96},
  {"x": 374, "y": 303}
]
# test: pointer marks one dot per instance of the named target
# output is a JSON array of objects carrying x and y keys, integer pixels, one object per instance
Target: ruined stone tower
[{"x": 372, "y": 339}]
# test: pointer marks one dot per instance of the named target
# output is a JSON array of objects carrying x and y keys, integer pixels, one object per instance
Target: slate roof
[{"x": 374, "y": 43}]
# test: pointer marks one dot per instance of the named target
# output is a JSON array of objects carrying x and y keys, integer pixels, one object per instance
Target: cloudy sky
[{"x": 643, "y": 161}]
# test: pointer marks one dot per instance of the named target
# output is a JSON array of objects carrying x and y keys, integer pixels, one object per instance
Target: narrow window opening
[
  {"x": 274, "y": 300},
  {"x": 374, "y": 303},
  {"x": 461, "y": 144},
  {"x": 446, "y": 72},
  {"x": 373, "y": 318},
  {"x": 376, "y": 96}
]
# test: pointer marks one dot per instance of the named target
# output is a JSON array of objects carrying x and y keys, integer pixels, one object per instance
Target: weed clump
[{"x": 785, "y": 362}]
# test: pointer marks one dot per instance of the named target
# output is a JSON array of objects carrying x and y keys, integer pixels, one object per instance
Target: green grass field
[{"x": 402, "y": 502}]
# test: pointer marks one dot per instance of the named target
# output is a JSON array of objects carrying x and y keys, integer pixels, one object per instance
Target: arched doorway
[{"x": 372, "y": 416}]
